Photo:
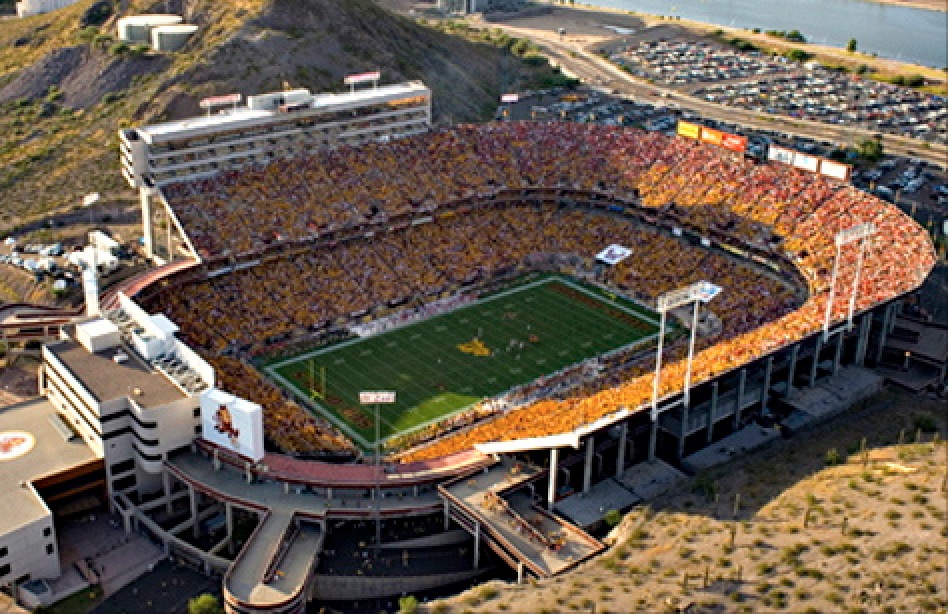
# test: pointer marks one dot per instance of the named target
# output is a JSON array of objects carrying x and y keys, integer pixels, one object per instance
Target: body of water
[{"x": 896, "y": 32}]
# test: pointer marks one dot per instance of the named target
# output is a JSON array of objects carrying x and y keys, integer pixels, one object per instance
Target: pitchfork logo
[{"x": 224, "y": 423}]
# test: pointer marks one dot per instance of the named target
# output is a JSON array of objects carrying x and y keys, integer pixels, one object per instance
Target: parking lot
[{"x": 758, "y": 82}]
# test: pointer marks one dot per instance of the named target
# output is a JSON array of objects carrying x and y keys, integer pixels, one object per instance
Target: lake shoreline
[
  {"x": 576, "y": 19},
  {"x": 928, "y": 5}
]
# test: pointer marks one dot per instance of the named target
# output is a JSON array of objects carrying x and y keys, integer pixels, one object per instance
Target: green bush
[
  {"x": 798, "y": 55},
  {"x": 87, "y": 34},
  {"x": 119, "y": 48},
  {"x": 204, "y": 604},
  {"x": 924, "y": 423},
  {"x": 613, "y": 517},
  {"x": 407, "y": 604}
]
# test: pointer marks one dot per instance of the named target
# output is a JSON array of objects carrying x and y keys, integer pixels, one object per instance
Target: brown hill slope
[{"x": 66, "y": 89}]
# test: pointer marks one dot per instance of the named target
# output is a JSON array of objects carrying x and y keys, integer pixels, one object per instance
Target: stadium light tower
[
  {"x": 376, "y": 398},
  {"x": 863, "y": 234},
  {"x": 700, "y": 292}
]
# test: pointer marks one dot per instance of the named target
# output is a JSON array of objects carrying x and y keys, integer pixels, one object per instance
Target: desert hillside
[
  {"x": 846, "y": 516},
  {"x": 67, "y": 84}
]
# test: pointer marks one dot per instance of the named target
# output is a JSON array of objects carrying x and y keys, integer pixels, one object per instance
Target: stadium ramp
[
  {"x": 493, "y": 505},
  {"x": 272, "y": 570}
]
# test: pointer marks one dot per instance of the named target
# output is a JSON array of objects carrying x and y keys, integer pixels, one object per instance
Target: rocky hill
[{"x": 67, "y": 85}]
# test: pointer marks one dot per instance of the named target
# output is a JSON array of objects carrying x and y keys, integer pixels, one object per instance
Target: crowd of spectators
[{"x": 793, "y": 213}]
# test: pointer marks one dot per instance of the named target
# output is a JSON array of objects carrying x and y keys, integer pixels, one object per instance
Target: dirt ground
[
  {"x": 17, "y": 381},
  {"x": 931, "y": 5},
  {"x": 807, "y": 524}
]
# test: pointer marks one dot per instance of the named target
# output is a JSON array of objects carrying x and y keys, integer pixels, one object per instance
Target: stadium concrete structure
[
  {"x": 161, "y": 434},
  {"x": 269, "y": 126},
  {"x": 28, "y": 8}
]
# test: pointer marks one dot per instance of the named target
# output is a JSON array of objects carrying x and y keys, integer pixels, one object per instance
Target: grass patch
[{"x": 449, "y": 362}]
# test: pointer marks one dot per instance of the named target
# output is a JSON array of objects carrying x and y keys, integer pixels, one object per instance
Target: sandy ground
[
  {"x": 807, "y": 524},
  {"x": 931, "y": 5},
  {"x": 589, "y": 27},
  {"x": 18, "y": 382}
]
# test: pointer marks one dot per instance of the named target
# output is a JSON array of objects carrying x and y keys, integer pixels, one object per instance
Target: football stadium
[
  {"x": 357, "y": 320},
  {"x": 475, "y": 206}
]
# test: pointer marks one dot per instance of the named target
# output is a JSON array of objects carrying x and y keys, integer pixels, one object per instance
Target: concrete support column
[
  {"x": 248, "y": 475},
  {"x": 838, "y": 354},
  {"x": 883, "y": 333},
  {"x": 477, "y": 544},
  {"x": 166, "y": 486},
  {"x": 192, "y": 500},
  {"x": 229, "y": 524},
  {"x": 741, "y": 384},
  {"x": 713, "y": 410},
  {"x": 414, "y": 490},
  {"x": 519, "y": 572},
  {"x": 816, "y": 359},
  {"x": 765, "y": 389},
  {"x": 447, "y": 513},
  {"x": 653, "y": 437},
  {"x": 792, "y": 368},
  {"x": 551, "y": 492},
  {"x": 683, "y": 431},
  {"x": 623, "y": 437},
  {"x": 863, "y": 343},
  {"x": 329, "y": 492},
  {"x": 147, "y": 228},
  {"x": 588, "y": 465}
]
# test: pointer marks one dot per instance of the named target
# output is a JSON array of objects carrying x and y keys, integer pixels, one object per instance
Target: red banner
[{"x": 734, "y": 142}]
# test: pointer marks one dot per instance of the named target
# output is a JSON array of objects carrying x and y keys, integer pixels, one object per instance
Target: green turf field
[{"x": 442, "y": 365}]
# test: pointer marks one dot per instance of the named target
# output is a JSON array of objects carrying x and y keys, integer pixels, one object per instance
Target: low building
[{"x": 130, "y": 390}]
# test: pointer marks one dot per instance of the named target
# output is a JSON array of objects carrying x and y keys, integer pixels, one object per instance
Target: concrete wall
[
  {"x": 26, "y": 551},
  {"x": 347, "y": 588}
]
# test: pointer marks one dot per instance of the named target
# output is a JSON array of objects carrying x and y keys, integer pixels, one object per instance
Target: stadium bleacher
[{"x": 790, "y": 213}]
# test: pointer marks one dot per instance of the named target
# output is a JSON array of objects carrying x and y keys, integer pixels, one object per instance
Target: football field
[{"x": 444, "y": 364}]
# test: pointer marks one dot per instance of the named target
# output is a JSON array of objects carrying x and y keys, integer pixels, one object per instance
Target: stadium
[
  {"x": 475, "y": 205},
  {"x": 525, "y": 289}
]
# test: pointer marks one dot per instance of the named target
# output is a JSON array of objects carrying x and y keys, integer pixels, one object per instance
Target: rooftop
[
  {"x": 20, "y": 426},
  {"x": 107, "y": 380},
  {"x": 234, "y": 118}
]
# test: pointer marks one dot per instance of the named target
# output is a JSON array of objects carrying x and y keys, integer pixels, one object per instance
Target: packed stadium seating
[{"x": 794, "y": 214}]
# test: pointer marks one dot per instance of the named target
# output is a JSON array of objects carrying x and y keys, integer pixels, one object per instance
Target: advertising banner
[
  {"x": 806, "y": 162},
  {"x": 734, "y": 142},
  {"x": 780, "y": 154},
  {"x": 364, "y": 77},
  {"x": 712, "y": 136},
  {"x": 613, "y": 254},
  {"x": 220, "y": 101},
  {"x": 232, "y": 423},
  {"x": 692, "y": 131},
  {"x": 836, "y": 170}
]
